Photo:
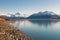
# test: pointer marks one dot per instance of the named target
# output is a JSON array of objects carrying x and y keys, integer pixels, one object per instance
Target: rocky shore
[{"x": 8, "y": 32}]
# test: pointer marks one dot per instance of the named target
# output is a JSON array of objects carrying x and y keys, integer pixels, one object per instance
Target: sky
[{"x": 29, "y": 7}]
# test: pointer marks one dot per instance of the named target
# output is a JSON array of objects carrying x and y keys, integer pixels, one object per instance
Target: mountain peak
[{"x": 47, "y": 13}]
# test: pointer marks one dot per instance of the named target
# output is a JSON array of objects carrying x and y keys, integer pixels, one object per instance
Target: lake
[{"x": 39, "y": 29}]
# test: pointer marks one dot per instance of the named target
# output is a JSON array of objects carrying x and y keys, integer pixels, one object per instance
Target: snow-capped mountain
[
  {"x": 48, "y": 13},
  {"x": 45, "y": 14}
]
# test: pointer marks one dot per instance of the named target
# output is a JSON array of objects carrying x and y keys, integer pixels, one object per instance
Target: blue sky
[{"x": 29, "y": 6}]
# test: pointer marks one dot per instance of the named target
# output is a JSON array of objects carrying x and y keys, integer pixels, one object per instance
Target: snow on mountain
[{"x": 45, "y": 14}]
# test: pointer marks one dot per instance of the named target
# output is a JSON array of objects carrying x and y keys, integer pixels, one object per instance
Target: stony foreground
[{"x": 7, "y": 32}]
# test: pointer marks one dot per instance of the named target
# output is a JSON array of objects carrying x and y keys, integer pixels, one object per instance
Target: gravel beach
[{"x": 8, "y": 32}]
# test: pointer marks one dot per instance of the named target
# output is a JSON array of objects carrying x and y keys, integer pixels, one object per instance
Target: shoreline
[
  {"x": 33, "y": 19},
  {"x": 9, "y": 32}
]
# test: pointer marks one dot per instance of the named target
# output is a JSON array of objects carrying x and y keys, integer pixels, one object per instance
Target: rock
[{"x": 8, "y": 32}]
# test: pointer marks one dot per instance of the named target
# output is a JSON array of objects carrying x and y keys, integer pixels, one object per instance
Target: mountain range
[
  {"x": 44, "y": 15},
  {"x": 39, "y": 15}
]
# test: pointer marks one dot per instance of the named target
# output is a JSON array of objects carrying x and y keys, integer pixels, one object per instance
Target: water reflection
[
  {"x": 39, "y": 29},
  {"x": 41, "y": 23},
  {"x": 44, "y": 23}
]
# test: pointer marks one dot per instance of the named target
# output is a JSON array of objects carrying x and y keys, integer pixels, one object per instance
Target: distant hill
[
  {"x": 11, "y": 17},
  {"x": 44, "y": 15}
]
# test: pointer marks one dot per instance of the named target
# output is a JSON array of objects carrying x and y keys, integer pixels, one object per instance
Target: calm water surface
[{"x": 39, "y": 29}]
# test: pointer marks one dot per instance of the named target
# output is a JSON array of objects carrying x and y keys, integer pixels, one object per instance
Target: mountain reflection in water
[{"x": 39, "y": 29}]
